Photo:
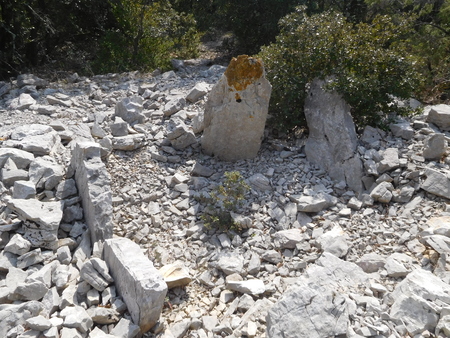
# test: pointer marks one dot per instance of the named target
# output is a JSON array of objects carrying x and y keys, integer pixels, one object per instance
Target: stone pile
[{"x": 313, "y": 259}]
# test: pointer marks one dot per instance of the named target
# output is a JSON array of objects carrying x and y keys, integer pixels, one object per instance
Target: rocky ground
[{"x": 312, "y": 259}]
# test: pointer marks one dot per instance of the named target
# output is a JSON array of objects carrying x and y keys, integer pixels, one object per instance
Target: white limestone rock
[
  {"x": 398, "y": 265},
  {"x": 230, "y": 262},
  {"x": 440, "y": 116},
  {"x": 30, "y": 80},
  {"x": 317, "y": 305},
  {"x": 38, "y": 323},
  {"x": 93, "y": 182},
  {"x": 102, "y": 315},
  {"x": 35, "y": 138},
  {"x": 130, "y": 110},
  {"x": 435, "y": 147},
  {"x": 288, "y": 239},
  {"x": 402, "y": 129},
  {"x": 390, "y": 160},
  {"x": 141, "y": 286},
  {"x": 315, "y": 203},
  {"x": 236, "y": 111},
  {"x": 174, "y": 105},
  {"x": 59, "y": 99},
  {"x": 382, "y": 192},
  {"x": 15, "y": 315},
  {"x": 45, "y": 218},
  {"x": 260, "y": 182},
  {"x": 119, "y": 127},
  {"x": 21, "y": 158},
  {"x": 199, "y": 90},
  {"x": 128, "y": 142},
  {"x": 46, "y": 173},
  {"x": 332, "y": 139},
  {"x": 95, "y": 272},
  {"x": 252, "y": 286},
  {"x": 437, "y": 183},
  {"x": 24, "y": 190},
  {"x": 24, "y": 101},
  {"x": 439, "y": 225},
  {"x": 65, "y": 189},
  {"x": 180, "y": 135},
  {"x": 76, "y": 317},
  {"x": 175, "y": 275},
  {"x": 334, "y": 241},
  {"x": 371, "y": 262},
  {"x": 18, "y": 245},
  {"x": 414, "y": 301}
]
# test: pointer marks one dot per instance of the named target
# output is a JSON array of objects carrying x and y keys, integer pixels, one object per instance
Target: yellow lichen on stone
[{"x": 243, "y": 71}]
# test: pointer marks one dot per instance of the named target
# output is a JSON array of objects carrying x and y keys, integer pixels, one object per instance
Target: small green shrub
[
  {"x": 225, "y": 199},
  {"x": 368, "y": 62}
]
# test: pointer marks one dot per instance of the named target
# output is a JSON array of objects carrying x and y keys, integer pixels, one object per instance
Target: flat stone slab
[{"x": 138, "y": 282}]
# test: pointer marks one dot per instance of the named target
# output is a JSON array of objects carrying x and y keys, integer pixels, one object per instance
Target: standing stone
[
  {"x": 236, "y": 111},
  {"x": 138, "y": 282},
  {"x": 94, "y": 187},
  {"x": 332, "y": 137}
]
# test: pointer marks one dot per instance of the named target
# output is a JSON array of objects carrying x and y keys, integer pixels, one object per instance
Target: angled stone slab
[{"x": 138, "y": 282}]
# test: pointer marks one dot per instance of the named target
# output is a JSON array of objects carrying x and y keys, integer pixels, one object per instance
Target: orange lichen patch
[{"x": 243, "y": 71}]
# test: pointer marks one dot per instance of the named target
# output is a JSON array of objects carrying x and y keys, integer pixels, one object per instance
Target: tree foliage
[
  {"x": 147, "y": 35},
  {"x": 429, "y": 39},
  {"x": 368, "y": 63},
  {"x": 32, "y": 31}
]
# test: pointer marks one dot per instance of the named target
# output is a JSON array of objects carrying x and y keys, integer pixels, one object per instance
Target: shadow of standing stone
[
  {"x": 236, "y": 111},
  {"x": 332, "y": 142}
]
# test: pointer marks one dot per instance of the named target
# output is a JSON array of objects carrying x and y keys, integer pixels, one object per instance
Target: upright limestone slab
[
  {"x": 139, "y": 283},
  {"x": 94, "y": 186},
  {"x": 332, "y": 140},
  {"x": 236, "y": 111}
]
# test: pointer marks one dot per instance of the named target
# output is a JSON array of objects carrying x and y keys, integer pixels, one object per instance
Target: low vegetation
[
  {"x": 224, "y": 200},
  {"x": 368, "y": 62}
]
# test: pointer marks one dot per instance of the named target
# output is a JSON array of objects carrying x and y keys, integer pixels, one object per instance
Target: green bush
[
  {"x": 367, "y": 61},
  {"x": 225, "y": 199},
  {"x": 149, "y": 35}
]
